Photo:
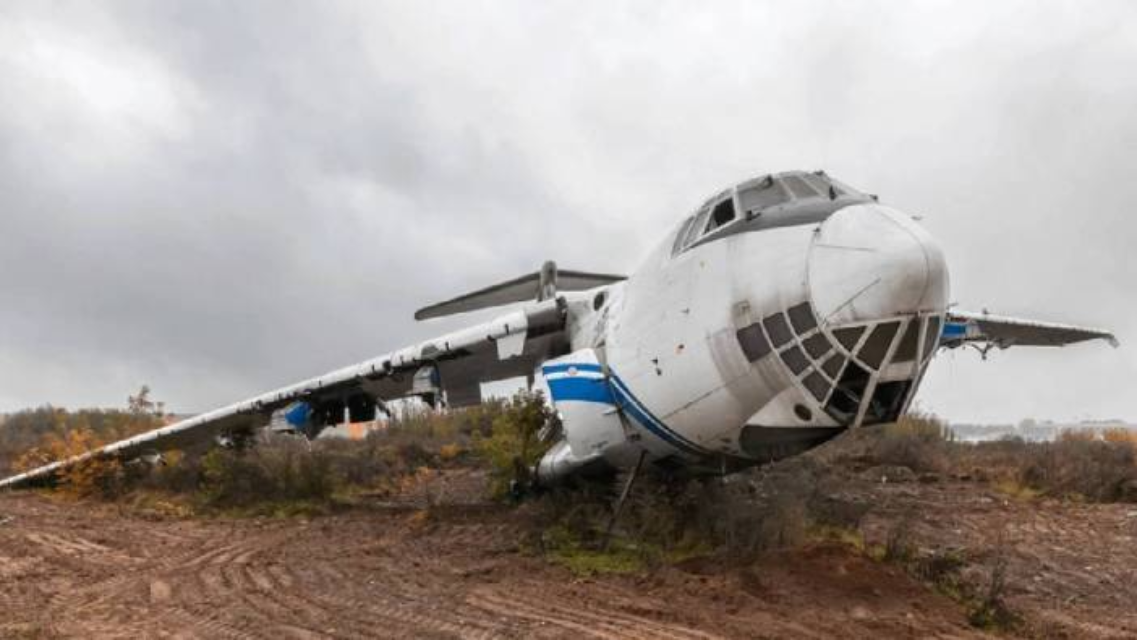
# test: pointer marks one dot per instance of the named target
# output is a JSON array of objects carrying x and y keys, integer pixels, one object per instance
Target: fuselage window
[{"x": 721, "y": 215}]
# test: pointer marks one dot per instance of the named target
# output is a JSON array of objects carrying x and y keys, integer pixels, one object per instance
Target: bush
[
  {"x": 177, "y": 473},
  {"x": 921, "y": 442},
  {"x": 95, "y": 476},
  {"x": 36, "y": 434},
  {"x": 513, "y": 447},
  {"x": 283, "y": 472},
  {"x": 669, "y": 518},
  {"x": 1076, "y": 465}
]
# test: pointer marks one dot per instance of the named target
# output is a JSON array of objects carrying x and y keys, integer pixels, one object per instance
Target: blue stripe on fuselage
[
  {"x": 612, "y": 391},
  {"x": 580, "y": 389},
  {"x": 630, "y": 404}
]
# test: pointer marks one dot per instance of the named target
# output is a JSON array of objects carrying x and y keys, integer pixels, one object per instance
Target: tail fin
[{"x": 539, "y": 285}]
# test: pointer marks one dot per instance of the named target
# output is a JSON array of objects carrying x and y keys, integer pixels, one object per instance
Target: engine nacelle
[{"x": 580, "y": 390}]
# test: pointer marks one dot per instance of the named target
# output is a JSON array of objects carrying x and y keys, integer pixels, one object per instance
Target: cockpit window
[
  {"x": 708, "y": 219},
  {"x": 800, "y": 188},
  {"x": 721, "y": 215},
  {"x": 766, "y": 193},
  {"x": 681, "y": 236},
  {"x": 694, "y": 231},
  {"x": 775, "y": 200},
  {"x": 822, "y": 185}
]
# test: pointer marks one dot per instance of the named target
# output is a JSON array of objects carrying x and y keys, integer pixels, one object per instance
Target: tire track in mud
[
  {"x": 280, "y": 596},
  {"x": 392, "y": 595},
  {"x": 456, "y": 571},
  {"x": 600, "y": 621},
  {"x": 127, "y": 578},
  {"x": 217, "y": 589}
]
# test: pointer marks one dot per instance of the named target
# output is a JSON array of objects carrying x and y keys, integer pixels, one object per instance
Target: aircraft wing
[
  {"x": 451, "y": 366},
  {"x": 968, "y": 327}
]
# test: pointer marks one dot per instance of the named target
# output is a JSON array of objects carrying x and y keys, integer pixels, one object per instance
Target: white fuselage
[{"x": 750, "y": 346}]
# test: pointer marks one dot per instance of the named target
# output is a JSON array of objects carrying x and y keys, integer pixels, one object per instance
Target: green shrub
[
  {"x": 283, "y": 472},
  {"x": 512, "y": 447}
]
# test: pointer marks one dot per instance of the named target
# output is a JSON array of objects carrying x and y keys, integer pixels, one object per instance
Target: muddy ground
[{"x": 384, "y": 569}]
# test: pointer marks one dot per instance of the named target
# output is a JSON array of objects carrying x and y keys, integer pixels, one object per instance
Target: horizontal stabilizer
[{"x": 533, "y": 286}]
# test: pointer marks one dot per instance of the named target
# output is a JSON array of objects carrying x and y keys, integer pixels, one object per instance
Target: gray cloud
[{"x": 217, "y": 198}]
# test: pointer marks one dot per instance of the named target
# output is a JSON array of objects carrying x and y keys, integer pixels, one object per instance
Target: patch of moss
[
  {"x": 1016, "y": 490},
  {"x": 588, "y": 562},
  {"x": 562, "y": 547},
  {"x": 846, "y": 536}
]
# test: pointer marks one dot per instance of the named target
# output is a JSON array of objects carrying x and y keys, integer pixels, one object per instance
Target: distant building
[{"x": 1033, "y": 430}]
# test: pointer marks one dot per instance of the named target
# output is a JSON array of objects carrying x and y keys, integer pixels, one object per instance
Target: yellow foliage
[
  {"x": 1120, "y": 436},
  {"x": 1115, "y": 435},
  {"x": 91, "y": 476},
  {"x": 450, "y": 451}
]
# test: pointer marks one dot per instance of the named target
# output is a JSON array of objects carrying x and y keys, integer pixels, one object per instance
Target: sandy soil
[{"x": 384, "y": 570}]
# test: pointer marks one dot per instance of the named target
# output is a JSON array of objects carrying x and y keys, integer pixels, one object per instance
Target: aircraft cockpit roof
[{"x": 775, "y": 200}]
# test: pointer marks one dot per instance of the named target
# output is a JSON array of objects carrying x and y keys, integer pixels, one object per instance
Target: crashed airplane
[{"x": 780, "y": 313}]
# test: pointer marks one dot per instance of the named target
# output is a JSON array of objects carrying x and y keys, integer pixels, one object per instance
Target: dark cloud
[{"x": 217, "y": 198}]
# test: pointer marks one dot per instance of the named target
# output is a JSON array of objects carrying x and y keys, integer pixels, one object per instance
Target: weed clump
[{"x": 988, "y": 609}]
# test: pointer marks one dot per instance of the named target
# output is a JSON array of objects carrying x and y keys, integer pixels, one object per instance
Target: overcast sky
[{"x": 217, "y": 198}]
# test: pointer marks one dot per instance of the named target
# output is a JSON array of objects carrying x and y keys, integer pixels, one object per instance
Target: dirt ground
[{"x": 387, "y": 570}]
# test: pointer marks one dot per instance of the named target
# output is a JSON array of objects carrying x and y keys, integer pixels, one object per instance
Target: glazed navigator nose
[{"x": 869, "y": 262}]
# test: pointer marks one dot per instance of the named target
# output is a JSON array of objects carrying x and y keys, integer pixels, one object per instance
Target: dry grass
[
  {"x": 282, "y": 473},
  {"x": 1098, "y": 467}
]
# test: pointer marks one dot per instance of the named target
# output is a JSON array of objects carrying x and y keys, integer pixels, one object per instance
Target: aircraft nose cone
[{"x": 868, "y": 262}]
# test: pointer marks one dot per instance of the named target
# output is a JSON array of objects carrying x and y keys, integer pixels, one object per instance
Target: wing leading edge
[
  {"x": 456, "y": 364},
  {"x": 986, "y": 330}
]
